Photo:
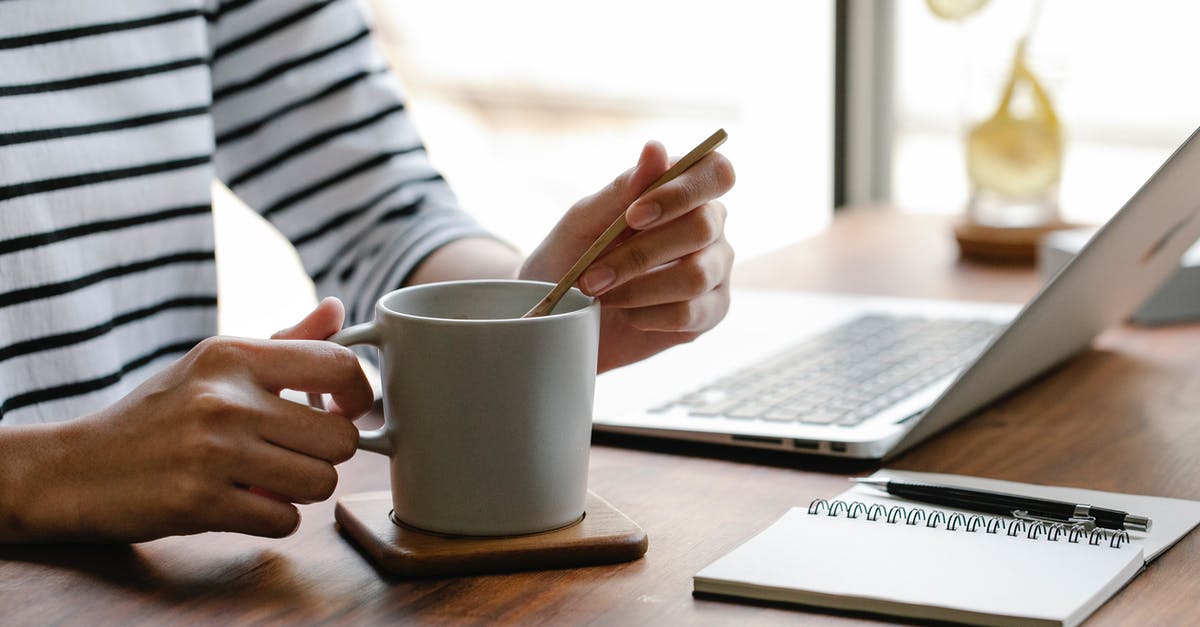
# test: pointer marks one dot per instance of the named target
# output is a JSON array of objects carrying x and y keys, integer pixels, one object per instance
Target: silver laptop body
[{"x": 1120, "y": 267}]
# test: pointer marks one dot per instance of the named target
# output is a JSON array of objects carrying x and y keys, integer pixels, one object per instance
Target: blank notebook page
[{"x": 920, "y": 571}]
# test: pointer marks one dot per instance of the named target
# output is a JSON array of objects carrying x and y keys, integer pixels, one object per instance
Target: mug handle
[{"x": 375, "y": 440}]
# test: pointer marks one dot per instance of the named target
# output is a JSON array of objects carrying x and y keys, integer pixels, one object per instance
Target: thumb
[
  {"x": 319, "y": 324},
  {"x": 652, "y": 163},
  {"x": 591, "y": 216}
]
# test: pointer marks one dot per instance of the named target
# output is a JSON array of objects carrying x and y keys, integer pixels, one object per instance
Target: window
[
  {"x": 528, "y": 105},
  {"x": 1118, "y": 72}
]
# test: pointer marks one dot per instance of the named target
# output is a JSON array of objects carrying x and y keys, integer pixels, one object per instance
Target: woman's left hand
[{"x": 667, "y": 280}]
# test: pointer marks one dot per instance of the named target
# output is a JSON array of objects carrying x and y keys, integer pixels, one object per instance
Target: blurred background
[{"x": 528, "y": 105}]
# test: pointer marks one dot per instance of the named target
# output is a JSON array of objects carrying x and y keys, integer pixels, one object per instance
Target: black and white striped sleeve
[{"x": 312, "y": 132}]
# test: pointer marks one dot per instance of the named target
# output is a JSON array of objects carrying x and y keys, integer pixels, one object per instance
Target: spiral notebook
[{"x": 869, "y": 552}]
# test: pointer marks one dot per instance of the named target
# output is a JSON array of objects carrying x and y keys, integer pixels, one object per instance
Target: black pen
[{"x": 1024, "y": 507}]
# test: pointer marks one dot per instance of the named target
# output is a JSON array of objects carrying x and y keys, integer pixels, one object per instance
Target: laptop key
[
  {"x": 855, "y": 418},
  {"x": 781, "y": 415},
  {"x": 720, "y": 408},
  {"x": 748, "y": 410},
  {"x": 820, "y": 417}
]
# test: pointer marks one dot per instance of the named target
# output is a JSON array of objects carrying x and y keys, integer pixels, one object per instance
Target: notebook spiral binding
[{"x": 972, "y": 523}]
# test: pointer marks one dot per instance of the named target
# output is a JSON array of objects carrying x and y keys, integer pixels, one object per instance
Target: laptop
[{"x": 870, "y": 377}]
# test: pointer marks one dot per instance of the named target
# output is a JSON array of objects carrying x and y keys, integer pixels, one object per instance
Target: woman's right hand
[{"x": 206, "y": 444}]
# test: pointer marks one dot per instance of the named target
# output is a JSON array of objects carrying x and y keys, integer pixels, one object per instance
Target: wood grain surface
[
  {"x": 1123, "y": 417},
  {"x": 602, "y": 536}
]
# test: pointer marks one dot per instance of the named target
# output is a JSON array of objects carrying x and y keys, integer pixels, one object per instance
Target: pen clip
[{"x": 1087, "y": 522}]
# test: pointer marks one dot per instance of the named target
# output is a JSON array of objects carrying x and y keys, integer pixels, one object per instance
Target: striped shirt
[{"x": 115, "y": 115}]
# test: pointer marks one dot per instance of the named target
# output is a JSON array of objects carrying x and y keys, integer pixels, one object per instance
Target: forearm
[
  {"x": 29, "y": 488},
  {"x": 469, "y": 258}
]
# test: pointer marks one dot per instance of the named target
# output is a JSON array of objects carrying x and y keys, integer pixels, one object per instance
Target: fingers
[
  {"x": 710, "y": 178},
  {"x": 303, "y": 365},
  {"x": 697, "y": 230},
  {"x": 319, "y": 324},
  {"x": 695, "y": 315},
  {"x": 312, "y": 432},
  {"x": 663, "y": 281},
  {"x": 284, "y": 450},
  {"x": 242, "y": 511},
  {"x": 292, "y": 476},
  {"x": 588, "y": 218},
  {"x": 318, "y": 367},
  {"x": 683, "y": 279}
]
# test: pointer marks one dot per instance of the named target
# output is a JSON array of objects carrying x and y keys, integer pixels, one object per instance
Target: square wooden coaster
[{"x": 603, "y": 536}]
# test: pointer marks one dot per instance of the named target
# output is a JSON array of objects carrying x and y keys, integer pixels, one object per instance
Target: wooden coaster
[{"x": 603, "y": 536}]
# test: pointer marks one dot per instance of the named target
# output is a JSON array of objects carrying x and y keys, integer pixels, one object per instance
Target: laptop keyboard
[{"x": 846, "y": 374}]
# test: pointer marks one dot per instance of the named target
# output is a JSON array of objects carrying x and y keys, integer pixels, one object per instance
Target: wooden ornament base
[
  {"x": 603, "y": 536},
  {"x": 1009, "y": 245}
]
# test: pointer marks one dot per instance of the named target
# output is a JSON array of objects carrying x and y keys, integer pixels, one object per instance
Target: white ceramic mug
[{"x": 487, "y": 416}]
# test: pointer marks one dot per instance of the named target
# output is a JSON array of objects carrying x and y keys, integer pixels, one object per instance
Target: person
[{"x": 121, "y": 417}]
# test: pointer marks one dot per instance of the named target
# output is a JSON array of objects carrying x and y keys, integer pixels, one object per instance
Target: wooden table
[{"x": 1124, "y": 417}]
